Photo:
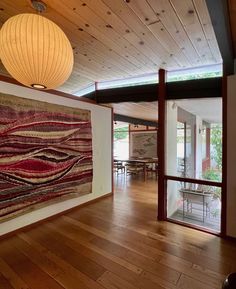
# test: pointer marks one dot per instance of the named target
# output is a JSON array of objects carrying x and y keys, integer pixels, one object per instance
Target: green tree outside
[
  {"x": 216, "y": 141},
  {"x": 121, "y": 133}
]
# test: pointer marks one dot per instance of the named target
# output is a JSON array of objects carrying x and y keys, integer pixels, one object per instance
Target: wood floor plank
[
  {"x": 81, "y": 280},
  {"x": 163, "y": 272},
  {"x": 107, "y": 254},
  {"x": 126, "y": 258},
  {"x": 75, "y": 258},
  {"x": 112, "y": 281},
  {"x": 121, "y": 271},
  {"x": 115, "y": 243},
  {"x": 140, "y": 248},
  {"x": 155, "y": 246},
  {"x": 14, "y": 279},
  {"x": 49, "y": 267},
  {"x": 193, "y": 273},
  {"x": 4, "y": 283},
  {"x": 191, "y": 253},
  {"x": 26, "y": 269},
  {"x": 173, "y": 263},
  {"x": 187, "y": 282},
  {"x": 161, "y": 282},
  {"x": 141, "y": 228}
]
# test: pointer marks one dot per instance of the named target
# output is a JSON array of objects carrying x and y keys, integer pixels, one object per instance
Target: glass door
[{"x": 194, "y": 162}]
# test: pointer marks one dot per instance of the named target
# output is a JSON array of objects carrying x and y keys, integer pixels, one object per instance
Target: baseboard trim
[
  {"x": 229, "y": 238},
  {"x": 35, "y": 224}
]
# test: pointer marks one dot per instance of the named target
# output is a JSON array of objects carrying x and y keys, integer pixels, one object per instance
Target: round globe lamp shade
[{"x": 35, "y": 51}]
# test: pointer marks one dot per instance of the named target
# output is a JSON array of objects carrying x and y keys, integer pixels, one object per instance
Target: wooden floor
[{"x": 115, "y": 243}]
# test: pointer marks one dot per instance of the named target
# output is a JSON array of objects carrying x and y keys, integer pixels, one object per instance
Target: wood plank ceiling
[
  {"x": 115, "y": 39},
  {"x": 209, "y": 109},
  {"x": 141, "y": 110}
]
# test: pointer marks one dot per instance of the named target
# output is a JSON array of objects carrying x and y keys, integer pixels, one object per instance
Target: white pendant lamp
[{"x": 35, "y": 51}]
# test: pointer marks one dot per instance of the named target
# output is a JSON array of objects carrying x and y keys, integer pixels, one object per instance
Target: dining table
[{"x": 143, "y": 161}]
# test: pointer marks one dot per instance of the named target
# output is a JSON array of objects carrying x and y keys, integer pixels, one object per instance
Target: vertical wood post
[
  {"x": 96, "y": 88},
  {"x": 161, "y": 146},
  {"x": 112, "y": 148}
]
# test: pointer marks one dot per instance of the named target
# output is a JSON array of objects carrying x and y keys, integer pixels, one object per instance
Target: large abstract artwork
[{"x": 45, "y": 154}]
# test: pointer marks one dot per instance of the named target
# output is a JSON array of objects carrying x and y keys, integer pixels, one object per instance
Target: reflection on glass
[
  {"x": 121, "y": 140},
  {"x": 194, "y": 139},
  {"x": 194, "y": 204}
]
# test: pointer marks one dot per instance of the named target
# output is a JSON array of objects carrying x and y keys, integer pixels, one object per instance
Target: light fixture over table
[{"x": 35, "y": 51}]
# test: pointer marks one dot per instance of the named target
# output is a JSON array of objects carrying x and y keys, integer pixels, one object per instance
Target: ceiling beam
[
  {"x": 198, "y": 88},
  {"x": 218, "y": 10},
  {"x": 128, "y": 94},
  {"x": 132, "y": 120}
]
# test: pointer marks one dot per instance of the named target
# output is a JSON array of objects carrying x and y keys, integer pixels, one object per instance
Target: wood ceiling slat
[
  {"x": 150, "y": 19},
  {"x": 100, "y": 8},
  {"x": 189, "y": 18},
  {"x": 204, "y": 17},
  {"x": 84, "y": 71},
  {"x": 172, "y": 23},
  {"x": 128, "y": 47},
  {"x": 145, "y": 108},
  {"x": 134, "y": 39},
  {"x": 95, "y": 65},
  {"x": 168, "y": 42},
  {"x": 94, "y": 48},
  {"x": 120, "y": 27},
  {"x": 103, "y": 11},
  {"x": 132, "y": 110},
  {"x": 144, "y": 11},
  {"x": 87, "y": 55},
  {"x": 75, "y": 80},
  {"x": 130, "y": 18},
  {"x": 153, "y": 104},
  {"x": 97, "y": 28},
  {"x": 133, "y": 106},
  {"x": 88, "y": 43}
]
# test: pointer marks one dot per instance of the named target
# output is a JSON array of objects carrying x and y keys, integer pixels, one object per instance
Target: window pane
[
  {"x": 195, "y": 73},
  {"x": 121, "y": 140},
  {"x": 194, "y": 139},
  {"x": 194, "y": 204}
]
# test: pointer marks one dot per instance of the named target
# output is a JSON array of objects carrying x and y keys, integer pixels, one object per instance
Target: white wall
[
  {"x": 231, "y": 157},
  {"x": 171, "y": 156},
  {"x": 102, "y": 166}
]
